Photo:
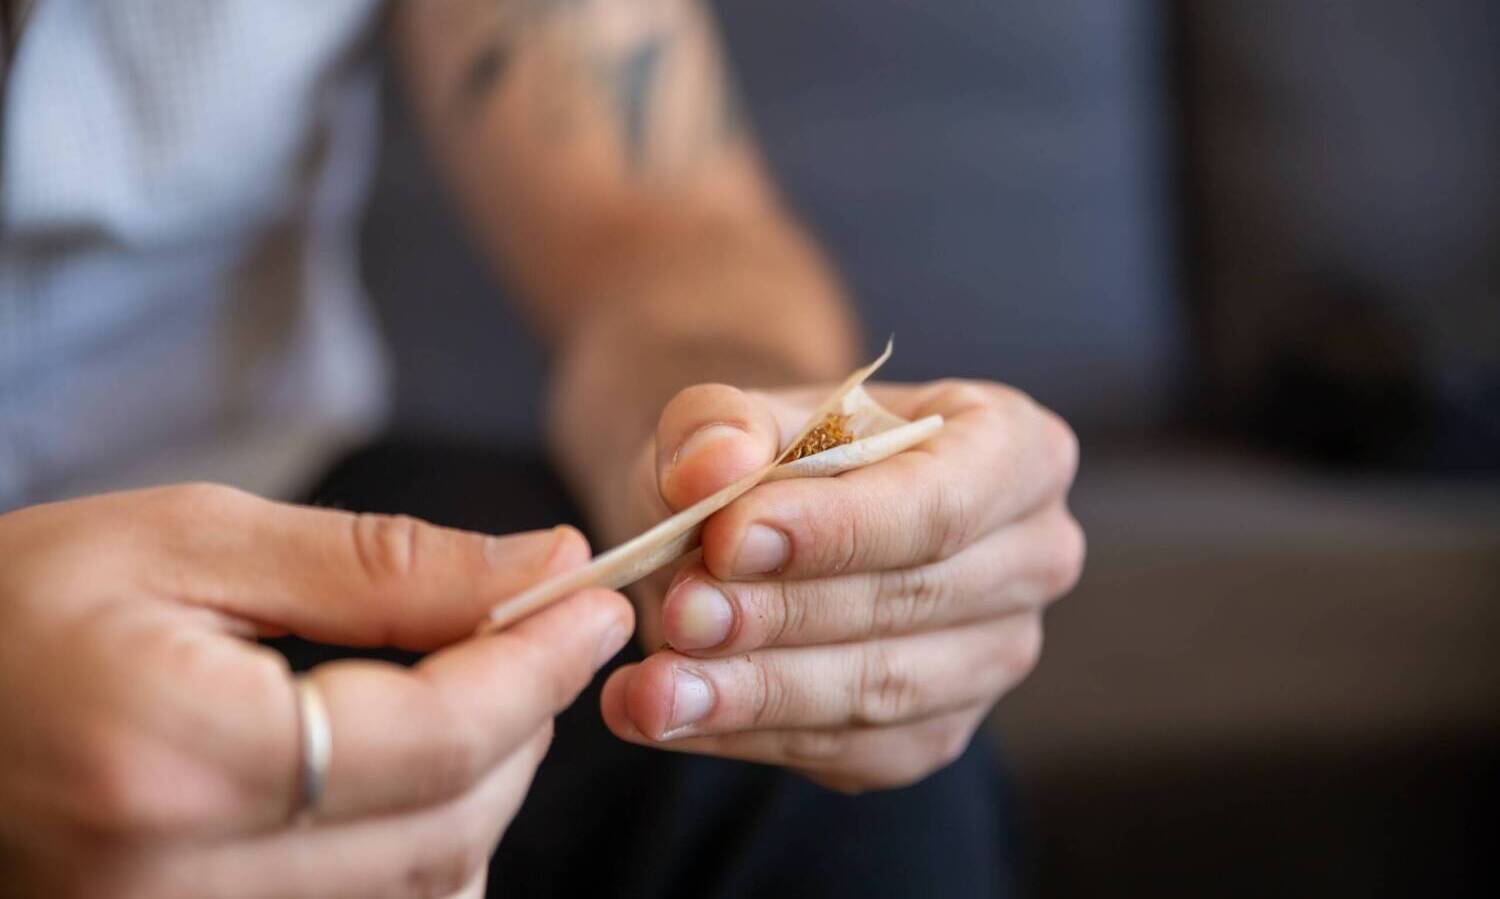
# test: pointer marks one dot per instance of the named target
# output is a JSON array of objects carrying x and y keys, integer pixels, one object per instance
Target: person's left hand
[{"x": 855, "y": 628}]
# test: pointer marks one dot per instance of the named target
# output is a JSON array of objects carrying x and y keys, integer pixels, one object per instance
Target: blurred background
[{"x": 1251, "y": 249}]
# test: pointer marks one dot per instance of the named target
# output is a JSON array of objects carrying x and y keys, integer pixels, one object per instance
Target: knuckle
[
  {"x": 447, "y": 871},
  {"x": 954, "y": 518},
  {"x": 1010, "y": 400},
  {"x": 837, "y": 536},
  {"x": 962, "y": 394},
  {"x": 998, "y": 404},
  {"x": 883, "y": 693},
  {"x": 917, "y": 766},
  {"x": 1069, "y": 549},
  {"x": 846, "y": 546},
  {"x": 789, "y": 616},
  {"x": 385, "y": 546},
  {"x": 267, "y": 675},
  {"x": 816, "y": 745},
  {"x": 262, "y": 680},
  {"x": 908, "y": 600},
  {"x": 770, "y": 699},
  {"x": 177, "y": 511},
  {"x": 893, "y": 605},
  {"x": 257, "y": 676},
  {"x": 1024, "y": 651},
  {"x": 200, "y": 494},
  {"x": 1012, "y": 420},
  {"x": 947, "y": 743},
  {"x": 203, "y": 500},
  {"x": 1062, "y": 449},
  {"x": 928, "y": 749}
]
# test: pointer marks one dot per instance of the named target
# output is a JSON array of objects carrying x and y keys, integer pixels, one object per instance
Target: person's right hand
[{"x": 148, "y": 747}]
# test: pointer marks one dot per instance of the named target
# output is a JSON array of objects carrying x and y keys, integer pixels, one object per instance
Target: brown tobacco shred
[{"x": 832, "y": 432}]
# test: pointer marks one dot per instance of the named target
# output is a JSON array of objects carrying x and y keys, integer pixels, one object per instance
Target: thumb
[
  {"x": 710, "y": 436},
  {"x": 353, "y": 579}
]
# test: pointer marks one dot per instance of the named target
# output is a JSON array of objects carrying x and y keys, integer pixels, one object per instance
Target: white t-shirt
[{"x": 179, "y": 297}]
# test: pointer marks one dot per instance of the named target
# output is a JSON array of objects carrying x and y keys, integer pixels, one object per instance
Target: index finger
[
  {"x": 405, "y": 738},
  {"x": 998, "y": 456}
]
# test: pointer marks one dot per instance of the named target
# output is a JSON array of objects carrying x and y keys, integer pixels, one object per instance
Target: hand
[
  {"x": 149, "y": 748},
  {"x": 856, "y": 628}
]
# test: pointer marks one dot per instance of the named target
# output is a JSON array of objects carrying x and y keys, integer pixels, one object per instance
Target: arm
[
  {"x": 597, "y": 148},
  {"x": 857, "y": 628}
]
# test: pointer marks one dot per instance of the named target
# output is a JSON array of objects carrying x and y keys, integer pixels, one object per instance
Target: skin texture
[
  {"x": 598, "y": 150},
  {"x": 150, "y": 749},
  {"x": 895, "y": 604},
  {"x": 599, "y": 154}
]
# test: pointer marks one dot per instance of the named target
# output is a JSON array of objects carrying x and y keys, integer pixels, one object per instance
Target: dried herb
[
  {"x": 831, "y": 432},
  {"x": 852, "y": 431}
]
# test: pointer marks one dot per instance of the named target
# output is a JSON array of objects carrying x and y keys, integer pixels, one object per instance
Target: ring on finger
[{"x": 315, "y": 737}]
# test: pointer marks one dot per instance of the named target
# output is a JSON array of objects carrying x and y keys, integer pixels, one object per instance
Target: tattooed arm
[
  {"x": 597, "y": 148},
  {"x": 856, "y": 629}
]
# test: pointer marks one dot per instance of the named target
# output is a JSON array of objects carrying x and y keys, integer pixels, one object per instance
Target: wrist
[{"x": 615, "y": 373}]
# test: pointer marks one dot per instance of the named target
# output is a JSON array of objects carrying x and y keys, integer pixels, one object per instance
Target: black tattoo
[
  {"x": 490, "y": 65},
  {"x": 485, "y": 70},
  {"x": 624, "y": 76},
  {"x": 632, "y": 81}
]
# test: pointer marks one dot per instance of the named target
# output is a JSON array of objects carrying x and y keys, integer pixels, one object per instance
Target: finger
[
  {"x": 670, "y": 696},
  {"x": 709, "y": 436},
  {"x": 337, "y": 577},
  {"x": 410, "y": 737},
  {"x": 434, "y": 851},
  {"x": 850, "y": 759},
  {"x": 998, "y": 456},
  {"x": 1016, "y": 568},
  {"x": 213, "y": 745}
]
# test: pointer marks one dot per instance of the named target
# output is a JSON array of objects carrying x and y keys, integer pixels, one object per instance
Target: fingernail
[
  {"x": 692, "y": 698},
  {"x": 614, "y": 641},
  {"x": 699, "y": 615},
  {"x": 704, "y": 436},
  {"x": 763, "y": 550}
]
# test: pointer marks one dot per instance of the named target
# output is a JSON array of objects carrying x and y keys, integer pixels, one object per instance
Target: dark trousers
[{"x": 608, "y": 818}]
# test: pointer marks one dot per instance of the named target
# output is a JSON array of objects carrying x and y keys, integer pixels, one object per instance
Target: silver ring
[{"x": 316, "y": 737}]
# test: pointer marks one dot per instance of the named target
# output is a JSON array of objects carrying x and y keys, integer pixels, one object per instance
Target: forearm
[{"x": 597, "y": 149}]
